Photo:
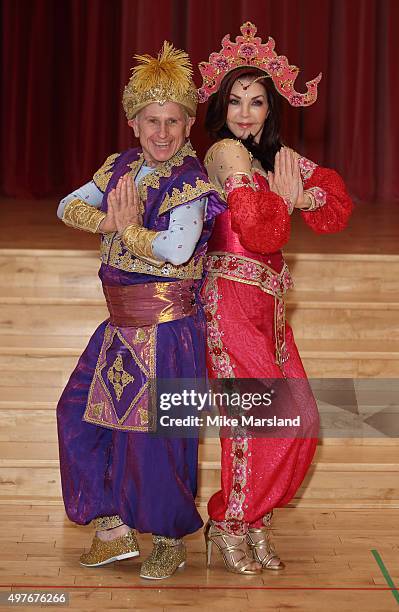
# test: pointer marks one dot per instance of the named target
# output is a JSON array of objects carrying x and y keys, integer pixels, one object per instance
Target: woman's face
[{"x": 247, "y": 109}]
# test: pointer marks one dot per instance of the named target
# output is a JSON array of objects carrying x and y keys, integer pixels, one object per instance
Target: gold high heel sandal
[
  {"x": 263, "y": 550},
  {"x": 233, "y": 548}
]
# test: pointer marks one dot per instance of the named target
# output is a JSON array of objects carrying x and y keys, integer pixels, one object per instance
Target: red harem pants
[{"x": 258, "y": 474}]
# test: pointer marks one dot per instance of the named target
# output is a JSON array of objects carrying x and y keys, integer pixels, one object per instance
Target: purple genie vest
[
  {"x": 123, "y": 389},
  {"x": 180, "y": 180}
]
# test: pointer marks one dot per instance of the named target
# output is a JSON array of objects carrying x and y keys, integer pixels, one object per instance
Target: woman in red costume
[{"x": 263, "y": 182}]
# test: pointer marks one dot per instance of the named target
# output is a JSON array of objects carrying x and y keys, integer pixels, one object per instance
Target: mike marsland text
[{"x": 244, "y": 420}]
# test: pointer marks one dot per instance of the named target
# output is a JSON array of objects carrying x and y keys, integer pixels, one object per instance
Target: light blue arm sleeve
[
  {"x": 88, "y": 193},
  {"x": 177, "y": 243}
]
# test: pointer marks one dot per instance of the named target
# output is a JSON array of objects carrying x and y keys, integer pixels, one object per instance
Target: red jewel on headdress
[{"x": 248, "y": 50}]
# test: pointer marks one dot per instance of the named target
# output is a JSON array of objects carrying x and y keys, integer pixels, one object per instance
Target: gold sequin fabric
[
  {"x": 101, "y": 552},
  {"x": 82, "y": 216},
  {"x": 138, "y": 240},
  {"x": 167, "y": 555}
]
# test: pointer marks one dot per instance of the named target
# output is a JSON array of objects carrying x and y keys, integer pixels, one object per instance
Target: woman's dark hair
[{"x": 215, "y": 121}]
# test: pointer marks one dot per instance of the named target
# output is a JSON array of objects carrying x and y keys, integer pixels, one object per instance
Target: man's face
[{"x": 162, "y": 130}]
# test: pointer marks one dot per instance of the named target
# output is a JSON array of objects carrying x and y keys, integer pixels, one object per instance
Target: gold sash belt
[{"x": 150, "y": 303}]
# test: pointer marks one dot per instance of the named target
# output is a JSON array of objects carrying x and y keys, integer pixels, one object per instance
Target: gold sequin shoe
[
  {"x": 102, "y": 552},
  {"x": 167, "y": 555},
  {"x": 234, "y": 551},
  {"x": 262, "y": 548}
]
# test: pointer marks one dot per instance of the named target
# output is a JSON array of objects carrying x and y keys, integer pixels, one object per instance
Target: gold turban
[{"x": 165, "y": 78}]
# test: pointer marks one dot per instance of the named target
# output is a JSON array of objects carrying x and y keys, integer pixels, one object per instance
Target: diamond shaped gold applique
[{"x": 118, "y": 377}]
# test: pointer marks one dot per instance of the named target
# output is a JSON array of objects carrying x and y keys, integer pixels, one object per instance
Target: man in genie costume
[{"x": 153, "y": 207}]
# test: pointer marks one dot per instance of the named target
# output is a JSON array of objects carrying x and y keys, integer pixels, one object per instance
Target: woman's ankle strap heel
[{"x": 233, "y": 549}]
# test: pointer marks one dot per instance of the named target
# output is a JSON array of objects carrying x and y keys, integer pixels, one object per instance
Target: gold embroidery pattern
[
  {"x": 318, "y": 198},
  {"x": 306, "y": 167},
  {"x": 164, "y": 170},
  {"x": 187, "y": 194},
  {"x": 219, "y": 356},
  {"x": 235, "y": 507},
  {"x": 102, "y": 176},
  {"x": 118, "y": 377},
  {"x": 140, "y": 335},
  {"x": 147, "y": 366},
  {"x": 112, "y": 254},
  {"x": 249, "y": 271},
  {"x": 98, "y": 409},
  {"x": 138, "y": 240},
  {"x": 237, "y": 180},
  {"x": 143, "y": 416},
  {"x": 219, "y": 146},
  {"x": 82, "y": 216}
]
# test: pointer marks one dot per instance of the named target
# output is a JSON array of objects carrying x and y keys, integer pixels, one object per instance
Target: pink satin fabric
[{"x": 224, "y": 240}]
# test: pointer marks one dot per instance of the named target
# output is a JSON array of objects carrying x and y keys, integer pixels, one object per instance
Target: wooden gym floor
[
  {"x": 340, "y": 540},
  {"x": 329, "y": 556}
]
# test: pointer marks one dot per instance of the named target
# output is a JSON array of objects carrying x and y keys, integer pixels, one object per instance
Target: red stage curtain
[{"x": 64, "y": 64}]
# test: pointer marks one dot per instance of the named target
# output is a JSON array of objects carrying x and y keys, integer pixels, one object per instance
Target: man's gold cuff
[
  {"x": 82, "y": 216},
  {"x": 138, "y": 240}
]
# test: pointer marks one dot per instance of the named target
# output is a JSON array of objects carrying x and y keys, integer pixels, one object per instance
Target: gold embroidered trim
[
  {"x": 112, "y": 254},
  {"x": 82, "y": 216},
  {"x": 138, "y": 240},
  {"x": 103, "y": 523},
  {"x": 306, "y": 167},
  {"x": 103, "y": 174},
  {"x": 187, "y": 194},
  {"x": 218, "y": 353},
  {"x": 164, "y": 170},
  {"x": 237, "y": 180},
  {"x": 249, "y": 271},
  {"x": 318, "y": 198}
]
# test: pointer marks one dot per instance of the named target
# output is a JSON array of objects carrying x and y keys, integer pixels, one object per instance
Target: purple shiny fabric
[{"x": 151, "y": 482}]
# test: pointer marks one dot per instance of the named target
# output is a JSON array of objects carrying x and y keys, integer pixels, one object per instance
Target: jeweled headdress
[
  {"x": 249, "y": 51},
  {"x": 165, "y": 78}
]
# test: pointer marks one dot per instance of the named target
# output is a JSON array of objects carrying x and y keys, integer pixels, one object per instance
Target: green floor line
[{"x": 385, "y": 573}]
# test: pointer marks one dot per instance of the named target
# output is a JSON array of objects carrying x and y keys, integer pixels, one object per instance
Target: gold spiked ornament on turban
[{"x": 165, "y": 78}]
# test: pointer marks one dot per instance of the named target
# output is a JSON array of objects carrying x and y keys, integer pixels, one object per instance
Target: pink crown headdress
[{"x": 249, "y": 51}]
